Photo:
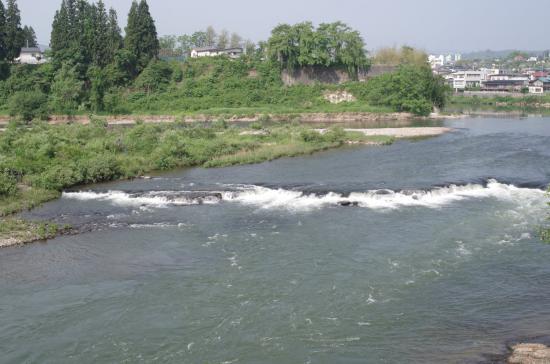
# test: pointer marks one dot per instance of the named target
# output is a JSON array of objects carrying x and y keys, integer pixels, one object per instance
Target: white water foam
[
  {"x": 149, "y": 199},
  {"x": 267, "y": 198}
]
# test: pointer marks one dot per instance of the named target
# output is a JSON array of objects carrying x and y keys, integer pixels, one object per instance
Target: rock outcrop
[{"x": 530, "y": 354}]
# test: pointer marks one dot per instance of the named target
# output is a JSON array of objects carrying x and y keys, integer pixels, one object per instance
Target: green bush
[
  {"x": 8, "y": 185},
  {"x": 58, "y": 177},
  {"x": 28, "y": 105},
  {"x": 99, "y": 168}
]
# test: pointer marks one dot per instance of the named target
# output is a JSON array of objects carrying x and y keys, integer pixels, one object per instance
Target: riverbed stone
[{"x": 530, "y": 354}]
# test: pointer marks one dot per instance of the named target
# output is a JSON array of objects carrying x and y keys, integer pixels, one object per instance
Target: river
[{"x": 425, "y": 251}]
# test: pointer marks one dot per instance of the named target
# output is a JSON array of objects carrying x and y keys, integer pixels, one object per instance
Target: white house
[
  {"x": 465, "y": 79},
  {"x": 214, "y": 51},
  {"x": 536, "y": 87},
  {"x": 32, "y": 55}
]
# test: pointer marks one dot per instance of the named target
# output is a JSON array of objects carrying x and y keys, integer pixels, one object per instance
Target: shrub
[
  {"x": 58, "y": 177},
  {"x": 8, "y": 185},
  {"x": 99, "y": 169},
  {"x": 28, "y": 105}
]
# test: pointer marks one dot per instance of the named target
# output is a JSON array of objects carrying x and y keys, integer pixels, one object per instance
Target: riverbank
[
  {"x": 241, "y": 116},
  {"x": 472, "y": 104}
]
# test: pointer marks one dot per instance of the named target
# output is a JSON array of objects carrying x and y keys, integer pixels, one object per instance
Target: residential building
[
  {"x": 214, "y": 51},
  {"x": 462, "y": 80},
  {"x": 31, "y": 55},
  {"x": 505, "y": 82},
  {"x": 536, "y": 87}
]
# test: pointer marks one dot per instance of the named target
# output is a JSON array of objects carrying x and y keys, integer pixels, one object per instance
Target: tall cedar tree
[
  {"x": 100, "y": 31},
  {"x": 3, "y": 44},
  {"x": 13, "y": 32},
  {"x": 29, "y": 37},
  {"x": 85, "y": 35},
  {"x": 141, "y": 34},
  {"x": 114, "y": 37}
]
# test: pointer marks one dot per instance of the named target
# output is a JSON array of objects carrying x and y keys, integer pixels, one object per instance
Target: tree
[
  {"x": 168, "y": 42},
  {"x": 114, "y": 38},
  {"x": 60, "y": 36},
  {"x": 66, "y": 90},
  {"x": 29, "y": 37},
  {"x": 333, "y": 44},
  {"x": 211, "y": 37},
  {"x": 184, "y": 44},
  {"x": 3, "y": 45},
  {"x": 98, "y": 24},
  {"x": 28, "y": 105},
  {"x": 141, "y": 34},
  {"x": 155, "y": 76},
  {"x": 236, "y": 40},
  {"x": 412, "y": 89},
  {"x": 13, "y": 32},
  {"x": 249, "y": 47},
  {"x": 199, "y": 39},
  {"x": 223, "y": 39}
]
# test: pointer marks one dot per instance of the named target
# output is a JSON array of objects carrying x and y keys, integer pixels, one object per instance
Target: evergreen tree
[
  {"x": 3, "y": 44},
  {"x": 29, "y": 37},
  {"x": 100, "y": 30},
  {"x": 59, "y": 39},
  {"x": 13, "y": 32},
  {"x": 114, "y": 42},
  {"x": 141, "y": 34}
]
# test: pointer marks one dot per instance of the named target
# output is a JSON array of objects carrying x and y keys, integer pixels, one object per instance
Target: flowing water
[{"x": 421, "y": 252}]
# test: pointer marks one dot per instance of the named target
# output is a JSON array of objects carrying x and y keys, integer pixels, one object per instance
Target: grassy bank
[
  {"x": 528, "y": 103},
  {"x": 39, "y": 160}
]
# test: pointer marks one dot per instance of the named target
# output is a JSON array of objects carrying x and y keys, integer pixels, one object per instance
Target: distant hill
[{"x": 489, "y": 54}]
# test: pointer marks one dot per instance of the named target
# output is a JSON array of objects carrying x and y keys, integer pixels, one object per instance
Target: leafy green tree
[
  {"x": 236, "y": 40},
  {"x": 28, "y": 105},
  {"x": 98, "y": 87},
  {"x": 141, "y": 34},
  {"x": 29, "y": 37},
  {"x": 199, "y": 39},
  {"x": 66, "y": 90},
  {"x": 154, "y": 77},
  {"x": 210, "y": 37},
  {"x": 122, "y": 70},
  {"x": 333, "y": 44},
  {"x": 223, "y": 39},
  {"x": 168, "y": 42},
  {"x": 249, "y": 47},
  {"x": 184, "y": 44},
  {"x": 13, "y": 32},
  {"x": 412, "y": 89}
]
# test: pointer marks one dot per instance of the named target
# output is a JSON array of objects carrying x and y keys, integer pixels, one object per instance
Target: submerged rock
[
  {"x": 347, "y": 203},
  {"x": 530, "y": 354}
]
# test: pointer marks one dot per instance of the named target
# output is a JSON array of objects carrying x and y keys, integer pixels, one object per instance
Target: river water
[{"x": 435, "y": 260}]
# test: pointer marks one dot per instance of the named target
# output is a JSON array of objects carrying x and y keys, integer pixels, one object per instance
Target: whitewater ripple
[{"x": 267, "y": 198}]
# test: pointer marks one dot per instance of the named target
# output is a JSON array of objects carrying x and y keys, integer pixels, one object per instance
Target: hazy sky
[{"x": 434, "y": 25}]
